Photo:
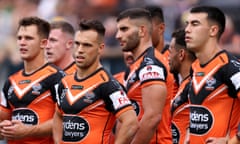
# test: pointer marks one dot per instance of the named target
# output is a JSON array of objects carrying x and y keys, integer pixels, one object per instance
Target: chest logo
[{"x": 197, "y": 85}]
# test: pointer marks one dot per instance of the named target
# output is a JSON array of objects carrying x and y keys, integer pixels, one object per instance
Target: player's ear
[
  {"x": 142, "y": 30},
  {"x": 43, "y": 43},
  {"x": 161, "y": 28},
  {"x": 214, "y": 29},
  {"x": 181, "y": 54},
  {"x": 69, "y": 44},
  {"x": 101, "y": 47}
]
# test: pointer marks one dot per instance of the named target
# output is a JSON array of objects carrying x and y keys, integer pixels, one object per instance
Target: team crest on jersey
[
  {"x": 36, "y": 89},
  {"x": 210, "y": 82},
  {"x": 89, "y": 97},
  {"x": 25, "y": 81}
]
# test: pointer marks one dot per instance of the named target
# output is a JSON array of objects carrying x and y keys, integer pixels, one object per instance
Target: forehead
[
  {"x": 27, "y": 30},
  {"x": 196, "y": 17},
  {"x": 87, "y": 36},
  {"x": 56, "y": 32},
  {"x": 125, "y": 22}
]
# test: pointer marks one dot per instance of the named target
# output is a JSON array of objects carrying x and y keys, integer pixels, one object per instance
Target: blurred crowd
[{"x": 105, "y": 10}]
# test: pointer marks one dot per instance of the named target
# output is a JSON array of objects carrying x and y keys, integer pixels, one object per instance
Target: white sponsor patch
[
  {"x": 151, "y": 72},
  {"x": 236, "y": 80},
  {"x": 119, "y": 99},
  {"x": 3, "y": 100}
]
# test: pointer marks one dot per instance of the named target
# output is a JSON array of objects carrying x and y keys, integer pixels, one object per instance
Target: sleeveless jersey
[
  {"x": 151, "y": 68},
  {"x": 90, "y": 107},
  {"x": 31, "y": 99},
  {"x": 180, "y": 113},
  {"x": 213, "y": 97}
]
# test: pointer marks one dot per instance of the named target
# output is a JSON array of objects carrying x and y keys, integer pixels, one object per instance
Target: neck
[
  {"x": 141, "y": 48},
  {"x": 65, "y": 62},
  {"x": 85, "y": 72},
  {"x": 185, "y": 69},
  {"x": 160, "y": 45},
  {"x": 33, "y": 65},
  {"x": 207, "y": 52}
]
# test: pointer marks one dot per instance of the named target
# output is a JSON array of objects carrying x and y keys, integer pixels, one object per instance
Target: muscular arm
[
  {"x": 128, "y": 127},
  {"x": 153, "y": 99},
  {"x": 57, "y": 127}
]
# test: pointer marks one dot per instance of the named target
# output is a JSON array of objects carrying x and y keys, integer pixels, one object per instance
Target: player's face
[
  {"x": 29, "y": 42},
  {"x": 127, "y": 34},
  {"x": 197, "y": 31},
  {"x": 57, "y": 46},
  {"x": 174, "y": 62},
  {"x": 87, "y": 49}
]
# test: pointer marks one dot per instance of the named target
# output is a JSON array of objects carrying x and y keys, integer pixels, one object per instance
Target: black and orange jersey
[
  {"x": 213, "y": 97},
  {"x": 165, "y": 51},
  {"x": 31, "y": 98},
  {"x": 180, "y": 113},
  {"x": 90, "y": 107},
  {"x": 120, "y": 77},
  {"x": 71, "y": 69},
  {"x": 151, "y": 68}
]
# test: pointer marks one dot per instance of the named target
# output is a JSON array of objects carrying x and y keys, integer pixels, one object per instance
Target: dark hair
[
  {"x": 134, "y": 13},
  {"x": 92, "y": 25},
  {"x": 214, "y": 14},
  {"x": 64, "y": 26},
  {"x": 179, "y": 36},
  {"x": 43, "y": 26},
  {"x": 156, "y": 12}
]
